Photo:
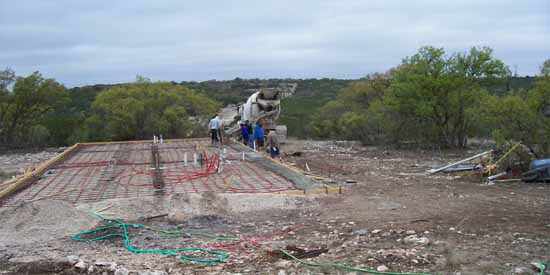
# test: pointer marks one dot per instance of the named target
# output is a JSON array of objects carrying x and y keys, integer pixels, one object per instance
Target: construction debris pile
[{"x": 504, "y": 164}]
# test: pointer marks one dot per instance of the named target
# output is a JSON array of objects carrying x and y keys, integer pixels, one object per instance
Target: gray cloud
[{"x": 86, "y": 42}]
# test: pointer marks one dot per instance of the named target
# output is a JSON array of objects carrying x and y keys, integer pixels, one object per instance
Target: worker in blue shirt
[
  {"x": 244, "y": 133},
  {"x": 259, "y": 135}
]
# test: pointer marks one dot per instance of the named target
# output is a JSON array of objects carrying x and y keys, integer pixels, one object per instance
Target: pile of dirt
[{"x": 42, "y": 221}]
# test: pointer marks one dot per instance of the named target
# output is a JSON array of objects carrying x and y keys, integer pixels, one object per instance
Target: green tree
[
  {"x": 7, "y": 77},
  {"x": 434, "y": 98},
  {"x": 33, "y": 98},
  {"x": 348, "y": 116},
  {"x": 545, "y": 68},
  {"x": 142, "y": 109},
  {"x": 522, "y": 116}
]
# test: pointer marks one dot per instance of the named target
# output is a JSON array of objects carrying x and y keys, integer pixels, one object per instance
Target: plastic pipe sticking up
[
  {"x": 220, "y": 162},
  {"x": 185, "y": 159},
  {"x": 195, "y": 159}
]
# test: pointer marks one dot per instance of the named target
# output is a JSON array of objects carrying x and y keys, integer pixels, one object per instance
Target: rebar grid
[{"x": 129, "y": 170}]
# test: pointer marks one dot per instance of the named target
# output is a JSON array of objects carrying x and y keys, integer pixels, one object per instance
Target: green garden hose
[
  {"x": 221, "y": 255},
  {"x": 543, "y": 266},
  {"x": 127, "y": 243}
]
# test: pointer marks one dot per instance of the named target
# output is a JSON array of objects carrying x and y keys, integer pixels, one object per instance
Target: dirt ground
[{"x": 391, "y": 217}]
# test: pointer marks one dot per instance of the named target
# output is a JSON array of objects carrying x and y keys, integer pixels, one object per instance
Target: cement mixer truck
[{"x": 264, "y": 106}]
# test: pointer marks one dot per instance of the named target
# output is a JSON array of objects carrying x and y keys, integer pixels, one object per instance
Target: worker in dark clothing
[
  {"x": 273, "y": 143},
  {"x": 250, "y": 134}
]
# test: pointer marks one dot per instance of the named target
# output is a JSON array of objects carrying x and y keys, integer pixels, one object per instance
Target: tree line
[
  {"x": 38, "y": 112},
  {"x": 435, "y": 99}
]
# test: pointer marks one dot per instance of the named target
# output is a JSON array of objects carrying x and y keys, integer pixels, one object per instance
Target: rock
[
  {"x": 360, "y": 232},
  {"x": 26, "y": 259},
  {"x": 386, "y": 234},
  {"x": 281, "y": 272},
  {"x": 283, "y": 264},
  {"x": 110, "y": 265},
  {"x": 153, "y": 273},
  {"x": 73, "y": 259},
  {"x": 81, "y": 265},
  {"x": 102, "y": 263},
  {"x": 410, "y": 232},
  {"x": 176, "y": 216},
  {"x": 376, "y": 231},
  {"x": 382, "y": 268},
  {"x": 121, "y": 271},
  {"x": 416, "y": 239},
  {"x": 522, "y": 270}
]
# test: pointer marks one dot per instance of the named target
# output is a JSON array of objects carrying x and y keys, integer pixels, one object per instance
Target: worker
[
  {"x": 273, "y": 143},
  {"x": 244, "y": 133},
  {"x": 220, "y": 127},
  {"x": 214, "y": 126},
  {"x": 250, "y": 135},
  {"x": 259, "y": 135}
]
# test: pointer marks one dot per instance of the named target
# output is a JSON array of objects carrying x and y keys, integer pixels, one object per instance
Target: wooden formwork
[{"x": 32, "y": 176}]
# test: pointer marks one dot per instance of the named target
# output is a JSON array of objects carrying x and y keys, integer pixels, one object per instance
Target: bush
[{"x": 143, "y": 109}]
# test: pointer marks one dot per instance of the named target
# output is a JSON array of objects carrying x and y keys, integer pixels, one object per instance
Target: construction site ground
[{"x": 391, "y": 216}]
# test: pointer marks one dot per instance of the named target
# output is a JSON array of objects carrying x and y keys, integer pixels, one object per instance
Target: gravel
[{"x": 42, "y": 221}]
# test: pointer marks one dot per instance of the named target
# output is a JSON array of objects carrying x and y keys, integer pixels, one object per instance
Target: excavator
[{"x": 264, "y": 106}]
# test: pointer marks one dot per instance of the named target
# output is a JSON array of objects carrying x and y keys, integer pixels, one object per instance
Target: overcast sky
[{"x": 87, "y": 42}]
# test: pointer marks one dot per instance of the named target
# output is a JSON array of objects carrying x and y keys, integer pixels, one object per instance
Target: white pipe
[
  {"x": 161, "y": 141},
  {"x": 431, "y": 171},
  {"x": 185, "y": 159},
  {"x": 496, "y": 176},
  {"x": 195, "y": 159},
  {"x": 220, "y": 167}
]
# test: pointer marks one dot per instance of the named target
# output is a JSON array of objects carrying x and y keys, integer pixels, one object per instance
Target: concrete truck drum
[{"x": 264, "y": 105}]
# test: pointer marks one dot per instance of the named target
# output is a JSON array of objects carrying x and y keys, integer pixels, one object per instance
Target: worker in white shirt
[{"x": 214, "y": 126}]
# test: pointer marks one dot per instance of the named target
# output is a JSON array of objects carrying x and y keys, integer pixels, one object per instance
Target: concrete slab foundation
[{"x": 100, "y": 171}]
